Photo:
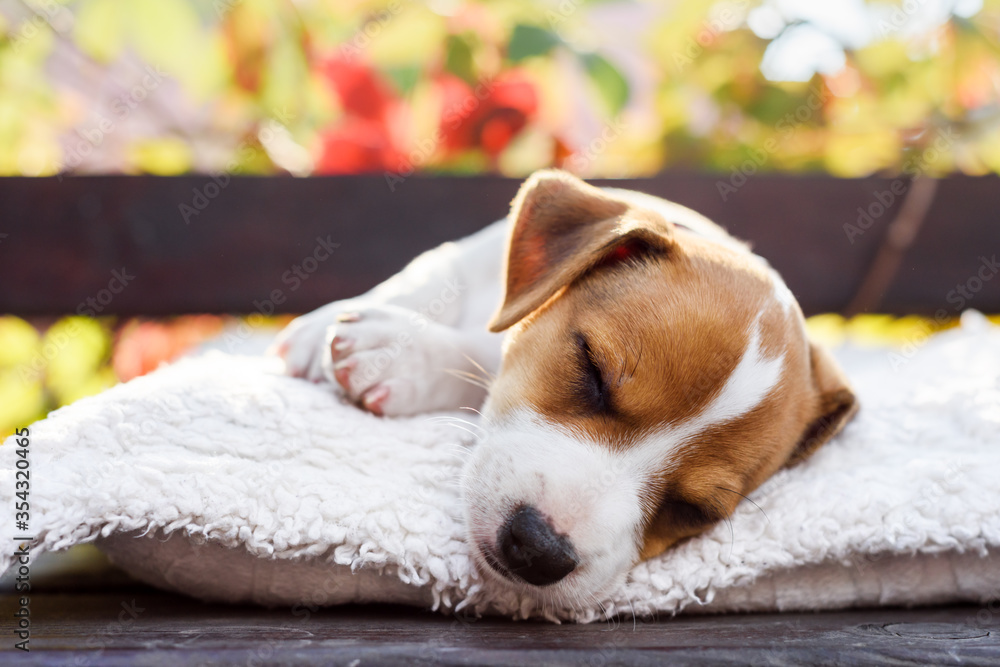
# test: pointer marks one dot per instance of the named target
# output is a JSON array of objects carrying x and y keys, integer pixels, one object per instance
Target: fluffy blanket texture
[{"x": 221, "y": 478}]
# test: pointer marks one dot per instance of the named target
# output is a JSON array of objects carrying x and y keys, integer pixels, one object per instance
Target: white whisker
[
  {"x": 462, "y": 428},
  {"x": 471, "y": 378},
  {"x": 486, "y": 374},
  {"x": 445, "y": 419}
]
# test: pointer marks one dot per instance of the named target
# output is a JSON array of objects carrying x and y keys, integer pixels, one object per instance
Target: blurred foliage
[
  {"x": 395, "y": 86},
  {"x": 45, "y": 366}
]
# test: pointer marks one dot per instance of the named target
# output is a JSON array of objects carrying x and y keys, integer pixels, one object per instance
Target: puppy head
[{"x": 650, "y": 379}]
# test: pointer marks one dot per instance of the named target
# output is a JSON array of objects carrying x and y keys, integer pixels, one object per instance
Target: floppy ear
[
  {"x": 836, "y": 404},
  {"x": 562, "y": 228}
]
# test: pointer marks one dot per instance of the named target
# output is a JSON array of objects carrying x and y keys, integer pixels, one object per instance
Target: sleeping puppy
[{"x": 653, "y": 373}]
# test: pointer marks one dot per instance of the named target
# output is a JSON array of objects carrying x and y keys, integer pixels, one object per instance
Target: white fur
[{"x": 781, "y": 293}]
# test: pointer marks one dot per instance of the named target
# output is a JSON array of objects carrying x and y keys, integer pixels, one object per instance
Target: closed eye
[
  {"x": 591, "y": 387},
  {"x": 683, "y": 514}
]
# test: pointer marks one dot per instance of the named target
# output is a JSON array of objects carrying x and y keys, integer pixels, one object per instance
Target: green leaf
[
  {"x": 609, "y": 81},
  {"x": 404, "y": 78},
  {"x": 528, "y": 41},
  {"x": 458, "y": 58}
]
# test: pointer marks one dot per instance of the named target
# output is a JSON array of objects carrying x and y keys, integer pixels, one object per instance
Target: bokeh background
[{"x": 607, "y": 88}]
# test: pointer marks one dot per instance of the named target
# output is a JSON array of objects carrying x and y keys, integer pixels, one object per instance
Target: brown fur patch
[{"x": 665, "y": 328}]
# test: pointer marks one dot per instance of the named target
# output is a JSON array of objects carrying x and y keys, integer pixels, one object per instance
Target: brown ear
[
  {"x": 836, "y": 404},
  {"x": 561, "y": 228}
]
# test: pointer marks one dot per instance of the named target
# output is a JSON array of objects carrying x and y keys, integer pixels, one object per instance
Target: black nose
[{"x": 532, "y": 550}]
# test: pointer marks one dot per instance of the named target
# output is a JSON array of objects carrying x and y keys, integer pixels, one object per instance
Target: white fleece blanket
[{"x": 221, "y": 478}]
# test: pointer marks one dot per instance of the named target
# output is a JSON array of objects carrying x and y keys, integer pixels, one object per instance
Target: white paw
[
  {"x": 390, "y": 360},
  {"x": 301, "y": 343}
]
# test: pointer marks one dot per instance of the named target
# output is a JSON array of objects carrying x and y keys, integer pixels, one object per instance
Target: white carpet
[{"x": 250, "y": 486}]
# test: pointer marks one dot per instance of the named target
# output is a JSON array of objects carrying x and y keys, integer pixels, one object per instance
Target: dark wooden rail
[
  {"x": 195, "y": 244},
  {"x": 89, "y": 628}
]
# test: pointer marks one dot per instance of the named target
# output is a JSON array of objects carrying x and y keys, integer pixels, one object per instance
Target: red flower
[
  {"x": 363, "y": 139},
  {"x": 487, "y": 116},
  {"x": 356, "y": 146},
  {"x": 142, "y": 346},
  {"x": 360, "y": 89}
]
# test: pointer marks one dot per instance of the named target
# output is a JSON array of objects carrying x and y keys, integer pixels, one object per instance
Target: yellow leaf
[
  {"x": 531, "y": 150},
  {"x": 883, "y": 58},
  {"x": 988, "y": 150},
  {"x": 861, "y": 153},
  {"x": 870, "y": 330},
  {"x": 99, "y": 29},
  {"x": 163, "y": 157},
  {"x": 413, "y": 36},
  {"x": 90, "y": 385},
  {"x": 168, "y": 35},
  {"x": 23, "y": 401},
  {"x": 74, "y": 347},
  {"x": 40, "y": 153},
  {"x": 212, "y": 72},
  {"x": 19, "y": 341},
  {"x": 827, "y": 329},
  {"x": 287, "y": 72}
]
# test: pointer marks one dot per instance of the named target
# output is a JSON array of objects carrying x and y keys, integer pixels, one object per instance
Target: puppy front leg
[
  {"x": 393, "y": 361},
  {"x": 393, "y": 343}
]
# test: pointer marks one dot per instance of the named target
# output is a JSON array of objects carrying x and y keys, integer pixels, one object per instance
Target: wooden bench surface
[
  {"x": 83, "y": 628},
  {"x": 63, "y": 238}
]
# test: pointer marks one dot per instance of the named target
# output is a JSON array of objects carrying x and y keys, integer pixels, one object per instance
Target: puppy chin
[{"x": 587, "y": 497}]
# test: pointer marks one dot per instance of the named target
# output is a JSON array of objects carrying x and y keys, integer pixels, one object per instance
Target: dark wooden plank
[
  {"x": 819, "y": 232},
  {"x": 66, "y": 237},
  {"x": 144, "y": 627}
]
